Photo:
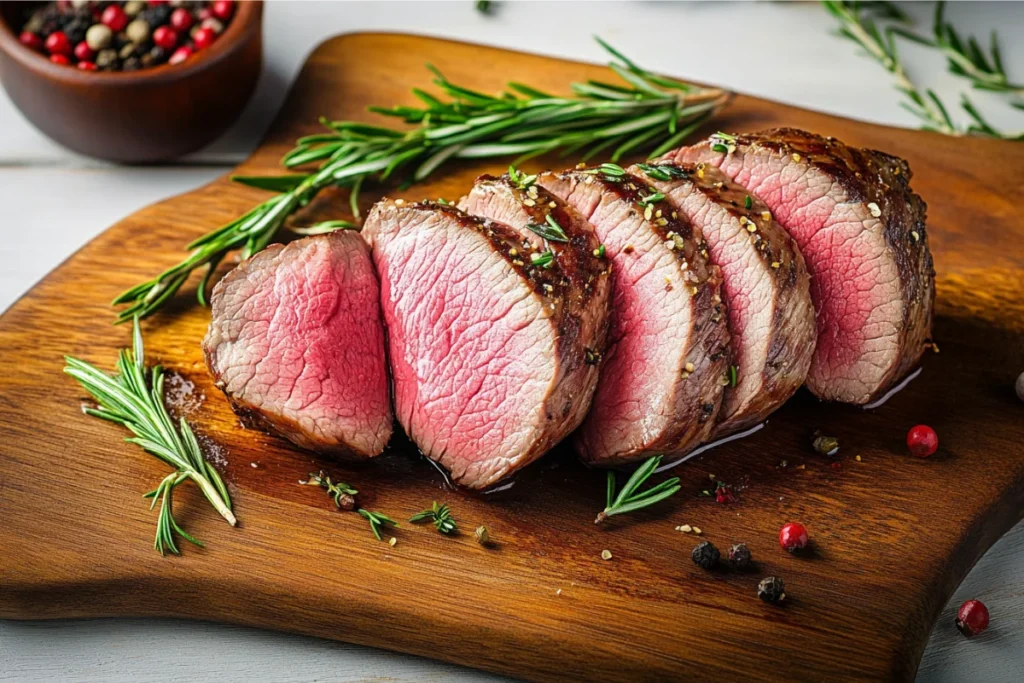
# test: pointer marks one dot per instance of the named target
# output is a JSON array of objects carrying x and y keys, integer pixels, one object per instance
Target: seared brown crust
[
  {"x": 871, "y": 176},
  {"x": 700, "y": 397},
  {"x": 792, "y": 333}
]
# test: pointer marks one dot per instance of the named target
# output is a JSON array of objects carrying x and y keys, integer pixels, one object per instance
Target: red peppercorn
[
  {"x": 60, "y": 59},
  {"x": 157, "y": 3},
  {"x": 31, "y": 40},
  {"x": 223, "y": 9},
  {"x": 181, "y": 19},
  {"x": 180, "y": 55},
  {"x": 204, "y": 37},
  {"x": 922, "y": 441},
  {"x": 83, "y": 52},
  {"x": 724, "y": 494},
  {"x": 165, "y": 37},
  {"x": 57, "y": 43},
  {"x": 86, "y": 65},
  {"x": 793, "y": 537},
  {"x": 115, "y": 18},
  {"x": 972, "y": 618}
]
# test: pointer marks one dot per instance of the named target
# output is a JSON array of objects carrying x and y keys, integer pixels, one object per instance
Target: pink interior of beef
[
  {"x": 650, "y": 329},
  {"x": 472, "y": 355},
  {"x": 310, "y": 345},
  {"x": 747, "y": 291},
  {"x": 852, "y": 279}
]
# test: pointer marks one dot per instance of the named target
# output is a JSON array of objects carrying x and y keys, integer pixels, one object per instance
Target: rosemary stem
[{"x": 213, "y": 495}]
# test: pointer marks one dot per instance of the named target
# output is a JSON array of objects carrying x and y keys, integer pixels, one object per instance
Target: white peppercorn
[
  {"x": 1020, "y": 386},
  {"x": 138, "y": 31},
  {"x": 98, "y": 37}
]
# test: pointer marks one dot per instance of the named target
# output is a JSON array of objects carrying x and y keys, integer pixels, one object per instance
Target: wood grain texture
[{"x": 892, "y": 534}]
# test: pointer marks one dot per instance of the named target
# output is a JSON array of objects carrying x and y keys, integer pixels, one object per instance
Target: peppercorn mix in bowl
[{"x": 131, "y": 81}]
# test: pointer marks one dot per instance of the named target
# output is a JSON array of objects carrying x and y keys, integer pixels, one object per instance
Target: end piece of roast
[
  {"x": 663, "y": 375},
  {"x": 486, "y": 336},
  {"x": 296, "y": 342},
  {"x": 764, "y": 283},
  {"x": 862, "y": 234}
]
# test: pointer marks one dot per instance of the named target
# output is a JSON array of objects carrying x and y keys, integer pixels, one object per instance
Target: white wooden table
[{"x": 52, "y": 202}]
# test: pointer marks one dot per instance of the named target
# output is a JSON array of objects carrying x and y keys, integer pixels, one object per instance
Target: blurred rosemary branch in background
[{"x": 966, "y": 58}]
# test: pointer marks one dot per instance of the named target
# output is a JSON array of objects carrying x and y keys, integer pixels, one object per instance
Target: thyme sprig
[
  {"x": 857, "y": 23},
  {"x": 342, "y": 494},
  {"x": 134, "y": 398},
  {"x": 377, "y": 520},
  {"x": 649, "y": 112},
  {"x": 631, "y": 498},
  {"x": 440, "y": 515}
]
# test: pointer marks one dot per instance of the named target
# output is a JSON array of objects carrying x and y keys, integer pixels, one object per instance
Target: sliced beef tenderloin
[
  {"x": 544, "y": 223},
  {"x": 765, "y": 285},
  {"x": 862, "y": 233},
  {"x": 663, "y": 375},
  {"x": 489, "y": 346},
  {"x": 296, "y": 341}
]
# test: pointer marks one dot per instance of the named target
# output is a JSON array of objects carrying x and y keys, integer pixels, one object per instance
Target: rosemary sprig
[
  {"x": 342, "y": 493},
  {"x": 440, "y": 515},
  {"x": 965, "y": 57},
  {"x": 377, "y": 520},
  {"x": 134, "y": 399},
  {"x": 857, "y": 24},
  {"x": 650, "y": 112},
  {"x": 630, "y": 498}
]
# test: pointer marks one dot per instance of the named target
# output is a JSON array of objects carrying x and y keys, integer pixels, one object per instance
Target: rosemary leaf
[
  {"x": 631, "y": 498},
  {"x": 133, "y": 398}
]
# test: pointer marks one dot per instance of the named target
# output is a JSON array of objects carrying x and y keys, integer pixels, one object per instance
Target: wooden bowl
[{"x": 136, "y": 116}]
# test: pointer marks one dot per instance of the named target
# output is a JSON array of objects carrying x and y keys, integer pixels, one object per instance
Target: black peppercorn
[
  {"x": 131, "y": 64},
  {"x": 771, "y": 590},
  {"x": 705, "y": 555},
  {"x": 739, "y": 556},
  {"x": 156, "y": 16}
]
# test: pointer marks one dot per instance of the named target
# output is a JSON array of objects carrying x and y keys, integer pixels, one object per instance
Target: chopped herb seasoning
[
  {"x": 600, "y": 251},
  {"x": 591, "y": 357},
  {"x": 663, "y": 172},
  {"x": 733, "y": 376},
  {"x": 377, "y": 521},
  {"x": 826, "y": 445},
  {"x": 748, "y": 202},
  {"x": 550, "y": 230},
  {"x": 342, "y": 493},
  {"x": 440, "y": 515},
  {"x": 520, "y": 179},
  {"x": 543, "y": 260},
  {"x": 651, "y": 199},
  {"x": 723, "y": 142}
]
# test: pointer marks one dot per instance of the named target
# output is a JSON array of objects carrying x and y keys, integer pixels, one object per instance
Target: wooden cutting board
[{"x": 893, "y": 535}]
